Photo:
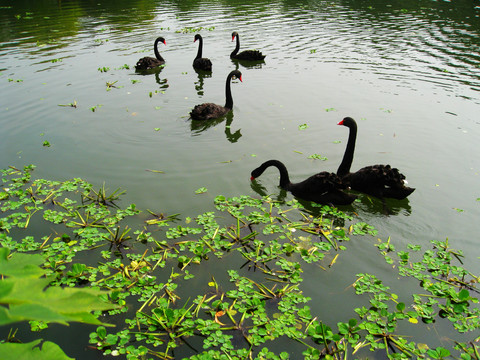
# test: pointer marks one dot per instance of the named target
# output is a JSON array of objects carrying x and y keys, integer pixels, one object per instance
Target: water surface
[{"x": 408, "y": 73}]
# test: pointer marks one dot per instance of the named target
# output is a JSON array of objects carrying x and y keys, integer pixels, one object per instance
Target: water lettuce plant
[{"x": 229, "y": 283}]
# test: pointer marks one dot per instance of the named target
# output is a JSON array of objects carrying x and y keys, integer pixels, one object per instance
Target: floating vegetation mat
[{"x": 227, "y": 284}]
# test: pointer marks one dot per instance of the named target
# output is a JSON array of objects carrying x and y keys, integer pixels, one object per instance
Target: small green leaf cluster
[
  {"x": 449, "y": 286},
  {"x": 187, "y": 29},
  {"x": 318, "y": 157}
]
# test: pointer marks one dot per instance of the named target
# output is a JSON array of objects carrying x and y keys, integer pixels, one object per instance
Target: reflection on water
[
  {"x": 199, "y": 83},
  {"x": 248, "y": 64},
  {"x": 430, "y": 43},
  {"x": 157, "y": 70},
  {"x": 387, "y": 207},
  {"x": 162, "y": 82},
  {"x": 261, "y": 190},
  {"x": 232, "y": 137},
  {"x": 199, "y": 126}
]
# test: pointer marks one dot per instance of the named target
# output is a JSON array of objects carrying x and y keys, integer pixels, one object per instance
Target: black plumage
[
  {"x": 252, "y": 55},
  {"x": 148, "y": 62},
  {"x": 209, "y": 111},
  {"x": 322, "y": 188},
  {"x": 381, "y": 181},
  {"x": 201, "y": 63}
]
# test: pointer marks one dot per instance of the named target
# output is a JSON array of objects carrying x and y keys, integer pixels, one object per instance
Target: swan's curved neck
[
  {"x": 200, "y": 48},
  {"x": 228, "y": 93},
  {"x": 284, "y": 178},
  {"x": 344, "y": 167},
  {"x": 155, "y": 50},
  {"x": 234, "y": 52}
]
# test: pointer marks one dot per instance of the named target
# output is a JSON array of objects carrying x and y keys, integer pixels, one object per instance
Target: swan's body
[
  {"x": 252, "y": 55},
  {"x": 209, "y": 111},
  {"x": 201, "y": 63},
  {"x": 381, "y": 181},
  {"x": 322, "y": 188},
  {"x": 147, "y": 63}
]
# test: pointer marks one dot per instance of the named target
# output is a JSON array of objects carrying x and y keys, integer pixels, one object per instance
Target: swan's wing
[
  {"x": 146, "y": 63},
  {"x": 203, "y": 64},
  {"x": 250, "y": 55},
  {"x": 207, "y": 111},
  {"x": 322, "y": 182},
  {"x": 381, "y": 175},
  {"x": 323, "y": 188}
]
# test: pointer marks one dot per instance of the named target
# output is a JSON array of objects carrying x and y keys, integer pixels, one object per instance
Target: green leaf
[
  {"x": 29, "y": 297},
  {"x": 101, "y": 332},
  {"x": 438, "y": 353},
  {"x": 22, "y": 265},
  {"x": 463, "y": 295},
  {"x": 318, "y": 157},
  {"x": 32, "y": 351}
]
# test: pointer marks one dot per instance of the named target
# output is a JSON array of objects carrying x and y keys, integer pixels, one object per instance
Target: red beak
[
  {"x": 340, "y": 123},
  {"x": 165, "y": 42},
  {"x": 240, "y": 78},
  {"x": 252, "y": 178},
  {"x": 233, "y": 38}
]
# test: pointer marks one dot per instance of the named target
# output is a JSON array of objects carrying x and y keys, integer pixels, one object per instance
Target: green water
[{"x": 408, "y": 72}]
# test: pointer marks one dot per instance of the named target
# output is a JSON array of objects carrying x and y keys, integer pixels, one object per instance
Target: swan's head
[
  {"x": 237, "y": 75},
  {"x": 197, "y": 37},
  {"x": 161, "y": 39},
  {"x": 256, "y": 173},
  {"x": 348, "y": 122},
  {"x": 233, "y": 35}
]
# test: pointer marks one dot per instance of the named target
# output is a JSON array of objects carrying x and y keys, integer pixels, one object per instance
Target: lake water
[{"x": 408, "y": 72}]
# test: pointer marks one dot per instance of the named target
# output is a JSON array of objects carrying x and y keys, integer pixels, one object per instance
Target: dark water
[{"x": 408, "y": 71}]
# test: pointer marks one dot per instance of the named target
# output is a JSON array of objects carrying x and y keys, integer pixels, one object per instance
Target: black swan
[
  {"x": 147, "y": 63},
  {"x": 199, "y": 62},
  {"x": 253, "y": 55},
  {"x": 322, "y": 188},
  {"x": 209, "y": 111},
  {"x": 381, "y": 181}
]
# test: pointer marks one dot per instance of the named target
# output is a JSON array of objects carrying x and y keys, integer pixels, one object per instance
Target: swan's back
[
  {"x": 380, "y": 181},
  {"x": 252, "y": 55},
  {"x": 202, "y": 64},
  {"x": 208, "y": 111},
  {"x": 322, "y": 188},
  {"x": 148, "y": 63}
]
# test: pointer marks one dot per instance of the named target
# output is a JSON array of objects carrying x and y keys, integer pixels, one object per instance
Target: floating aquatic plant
[
  {"x": 318, "y": 157},
  {"x": 73, "y": 104},
  {"x": 263, "y": 248}
]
